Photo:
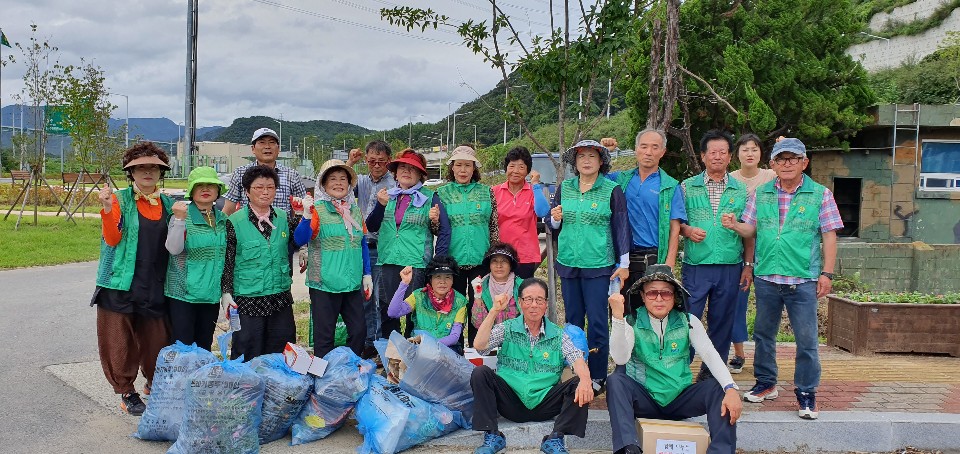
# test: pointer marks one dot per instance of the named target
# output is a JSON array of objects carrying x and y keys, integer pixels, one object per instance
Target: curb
[{"x": 767, "y": 431}]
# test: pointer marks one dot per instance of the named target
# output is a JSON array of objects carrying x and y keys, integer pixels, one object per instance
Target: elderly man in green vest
[
  {"x": 654, "y": 207},
  {"x": 790, "y": 217},
  {"x": 653, "y": 379},
  {"x": 713, "y": 256},
  {"x": 526, "y": 385}
]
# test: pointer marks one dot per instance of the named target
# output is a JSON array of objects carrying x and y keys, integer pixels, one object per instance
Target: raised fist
[
  {"x": 383, "y": 197},
  {"x": 180, "y": 210},
  {"x": 435, "y": 214},
  {"x": 557, "y": 213},
  {"x": 500, "y": 302},
  {"x": 406, "y": 275}
]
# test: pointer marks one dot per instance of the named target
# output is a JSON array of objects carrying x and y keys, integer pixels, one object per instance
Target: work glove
[
  {"x": 367, "y": 286},
  {"x": 308, "y": 206}
]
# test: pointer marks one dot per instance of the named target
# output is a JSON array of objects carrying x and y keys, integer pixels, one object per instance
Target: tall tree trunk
[{"x": 653, "y": 79}]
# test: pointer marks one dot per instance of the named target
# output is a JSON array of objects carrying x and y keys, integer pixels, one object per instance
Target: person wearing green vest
[
  {"x": 256, "y": 271},
  {"x": 713, "y": 256},
  {"x": 438, "y": 309},
  {"x": 526, "y": 385},
  {"x": 654, "y": 207},
  {"x": 589, "y": 217},
  {"x": 795, "y": 221},
  {"x": 338, "y": 264},
  {"x": 472, "y": 212},
  {"x": 401, "y": 218},
  {"x": 132, "y": 322},
  {"x": 501, "y": 260},
  {"x": 652, "y": 378},
  {"x": 197, "y": 243}
]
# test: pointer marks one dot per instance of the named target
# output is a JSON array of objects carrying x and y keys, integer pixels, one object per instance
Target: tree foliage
[
  {"x": 82, "y": 96},
  {"x": 38, "y": 90},
  {"x": 933, "y": 80}
]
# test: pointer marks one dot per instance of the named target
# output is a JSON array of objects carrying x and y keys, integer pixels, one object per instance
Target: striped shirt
[{"x": 291, "y": 184}]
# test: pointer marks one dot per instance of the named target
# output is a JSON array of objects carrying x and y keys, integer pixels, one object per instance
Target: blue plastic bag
[
  {"x": 222, "y": 408},
  {"x": 285, "y": 393},
  {"x": 579, "y": 339},
  {"x": 175, "y": 364},
  {"x": 437, "y": 374},
  {"x": 334, "y": 396},
  {"x": 391, "y": 420}
]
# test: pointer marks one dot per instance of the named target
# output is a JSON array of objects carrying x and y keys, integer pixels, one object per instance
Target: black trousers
[
  {"x": 389, "y": 282},
  {"x": 628, "y": 400},
  {"x": 461, "y": 283},
  {"x": 493, "y": 397},
  {"x": 640, "y": 258},
  {"x": 193, "y": 322},
  {"x": 325, "y": 307},
  {"x": 262, "y": 335},
  {"x": 526, "y": 270}
]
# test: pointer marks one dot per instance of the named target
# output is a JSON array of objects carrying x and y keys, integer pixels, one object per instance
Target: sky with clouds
[{"x": 304, "y": 59}]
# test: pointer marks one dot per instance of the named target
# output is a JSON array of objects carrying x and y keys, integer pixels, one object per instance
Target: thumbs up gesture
[
  {"x": 106, "y": 197},
  {"x": 435, "y": 214}
]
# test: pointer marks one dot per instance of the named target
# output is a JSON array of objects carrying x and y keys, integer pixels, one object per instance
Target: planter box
[{"x": 865, "y": 328}]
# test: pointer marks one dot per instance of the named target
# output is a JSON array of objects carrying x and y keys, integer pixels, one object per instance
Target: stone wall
[
  {"x": 880, "y": 53},
  {"x": 902, "y": 267}
]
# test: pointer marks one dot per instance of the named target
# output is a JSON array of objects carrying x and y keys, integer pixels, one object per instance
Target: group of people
[{"x": 382, "y": 250}]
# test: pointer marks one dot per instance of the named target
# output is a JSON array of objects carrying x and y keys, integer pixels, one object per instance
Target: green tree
[{"x": 83, "y": 97}]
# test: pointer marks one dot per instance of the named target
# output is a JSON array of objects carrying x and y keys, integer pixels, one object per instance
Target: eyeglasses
[
  {"x": 262, "y": 188},
  {"x": 538, "y": 300},
  {"x": 377, "y": 162},
  {"x": 791, "y": 160},
  {"x": 653, "y": 294}
]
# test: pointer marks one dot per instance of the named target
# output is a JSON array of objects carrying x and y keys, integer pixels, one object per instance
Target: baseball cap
[
  {"x": 264, "y": 132},
  {"x": 791, "y": 145}
]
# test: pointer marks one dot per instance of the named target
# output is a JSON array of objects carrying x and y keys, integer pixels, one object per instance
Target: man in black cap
[{"x": 653, "y": 379}]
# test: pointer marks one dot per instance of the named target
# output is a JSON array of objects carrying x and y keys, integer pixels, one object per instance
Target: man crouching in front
[{"x": 526, "y": 386}]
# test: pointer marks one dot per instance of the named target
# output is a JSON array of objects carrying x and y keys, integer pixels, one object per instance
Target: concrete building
[
  {"x": 226, "y": 157},
  {"x": 905, "y": 192}
]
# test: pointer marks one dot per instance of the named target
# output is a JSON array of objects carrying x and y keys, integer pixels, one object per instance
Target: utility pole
[{"x": 190, "y": 115}]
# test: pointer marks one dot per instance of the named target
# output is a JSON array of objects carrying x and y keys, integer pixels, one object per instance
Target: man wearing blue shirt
[{"x": 654, "y": 207}]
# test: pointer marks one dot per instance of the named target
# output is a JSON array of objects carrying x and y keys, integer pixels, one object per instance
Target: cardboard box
[
  {"x": 672, "y": 437},
  {"x": 477, "y": 359}
]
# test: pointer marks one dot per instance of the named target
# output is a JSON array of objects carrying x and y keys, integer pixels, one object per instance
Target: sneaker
[
  {"x": 808, "y": 405},
  {"x": 553, "y": 444},
  {"x": 131, "y": 403},
  {"x": 761, "y": 392},
  {"x": 736, "y": 364},
  {"x": 629, "y": 449},
  {"x": 493, "y": 442}
]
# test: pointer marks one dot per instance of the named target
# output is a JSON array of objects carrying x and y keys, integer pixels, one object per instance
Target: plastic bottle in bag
[
  {"x": 436, "y": 374},
  {"x": 334, "y": 396},
  {"x": 175, "y": 364},
  {"x": 285, "y": 393}
]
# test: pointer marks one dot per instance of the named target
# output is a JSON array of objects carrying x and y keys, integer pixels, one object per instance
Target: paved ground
[{"x": 54, "y": 397}]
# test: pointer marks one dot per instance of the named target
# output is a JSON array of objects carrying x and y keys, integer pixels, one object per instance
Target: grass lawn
[{"x": 53, "y": 242}]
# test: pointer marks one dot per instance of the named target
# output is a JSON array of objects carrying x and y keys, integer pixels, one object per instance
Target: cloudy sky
[{"x": 304, "y": 59}]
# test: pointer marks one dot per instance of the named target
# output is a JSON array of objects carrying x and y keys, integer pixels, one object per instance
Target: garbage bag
[
  {"x": 437, "y": 374},
  {"x": 579, "y": 339},
  {"x": 391, "y": 420},
  {"x": 175, "y": 364},
  {"x": 333, "y": 397},
  {"x": 285, "y": 393},
  {"x": 222, "y": 408}
]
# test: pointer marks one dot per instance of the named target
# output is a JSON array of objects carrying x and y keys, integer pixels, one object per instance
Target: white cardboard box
[
  {"x": 477, "y": 359},
  {"x": 301, "y": 361}
]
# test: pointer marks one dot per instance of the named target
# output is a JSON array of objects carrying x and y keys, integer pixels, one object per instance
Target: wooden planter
[{"x": 865, "y": 328}]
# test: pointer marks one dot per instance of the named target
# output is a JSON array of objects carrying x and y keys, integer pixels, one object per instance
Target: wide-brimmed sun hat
[
  {"x": 336, "y": 164},
  {"x": 465, "y": 153},
  {"x": 570, "y": 156},
  {"x": 409, "y": 156},
  {"x": 662, "y": 272},
  {"x": 203, "y": 175}
]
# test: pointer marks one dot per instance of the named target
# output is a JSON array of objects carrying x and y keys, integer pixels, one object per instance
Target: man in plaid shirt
[
  {"x": 795, "y": 221},
  {"x": 266, "y": 148}
]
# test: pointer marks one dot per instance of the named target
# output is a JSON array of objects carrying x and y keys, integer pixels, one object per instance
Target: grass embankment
[{"x": 52, "y": 242}]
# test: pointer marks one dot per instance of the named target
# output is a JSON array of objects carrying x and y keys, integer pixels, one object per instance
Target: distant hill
[{"x": 241, "y": 130}]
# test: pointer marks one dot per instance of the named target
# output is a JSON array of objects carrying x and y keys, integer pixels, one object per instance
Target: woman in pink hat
[
  {"x": 402, "y": 218},
  {"x": 472, "y": 210},
  {"x": 131, "y": 308}
]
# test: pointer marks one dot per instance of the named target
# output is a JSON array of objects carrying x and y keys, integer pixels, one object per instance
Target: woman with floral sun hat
[
  {"x": 132, "y": 322},
  {"x": 197, "y": 242}
]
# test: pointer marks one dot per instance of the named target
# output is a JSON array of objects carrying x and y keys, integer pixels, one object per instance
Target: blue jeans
[
  {"x": 371, "y": 310},
  {"x": 720, "y": 284},
  {"x": 587, "y": 298},
  {"x": 740, "y": 318},
  {"x": 801, "y": 303}
]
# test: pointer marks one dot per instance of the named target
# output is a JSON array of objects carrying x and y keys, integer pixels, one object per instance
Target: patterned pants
[{"x": 128, "y": 342}]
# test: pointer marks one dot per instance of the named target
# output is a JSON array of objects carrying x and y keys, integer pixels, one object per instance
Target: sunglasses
[{"x": 654, "y": 294}]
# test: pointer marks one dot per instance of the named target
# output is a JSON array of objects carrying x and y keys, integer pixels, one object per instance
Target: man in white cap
[{"x": 265, "y": 145}]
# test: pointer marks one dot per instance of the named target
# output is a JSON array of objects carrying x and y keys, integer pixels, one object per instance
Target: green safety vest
[
  {"x": 115, "y": 269},
  {"x": 431, "y": 321},
  {"x": 469, "y": 209},
  {"x": 663, "y": 369},
  {"x": 722, "y": 246},
  {"x": 194, "y": 274},
  {"x": 487, "y": 298},
  {"x": 586, "y": 240},
  {"x": 262, "y": 267},
  {"x": 668, "y": 184},
  {"x": 335, "y": 262},
  {"x": 795, "y": 249},
  {"x": 412, "y": 244},
  {"x": 530, "y": 370}
]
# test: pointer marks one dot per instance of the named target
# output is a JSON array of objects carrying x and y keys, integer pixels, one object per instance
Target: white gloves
[
  {"x": 367, "y": 286},
  {"x": 226, "y": 300},
  {"x": 307, "y": 206}
]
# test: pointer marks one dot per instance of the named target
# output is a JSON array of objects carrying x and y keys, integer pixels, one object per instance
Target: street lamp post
[
  {"x": 455, "y": 126},
  {"x": 448, "y": 120},
  {"x": 410, "y": 128},
  {"x": 280, "y": 133},
  {"x": 474, "y": 134}
]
